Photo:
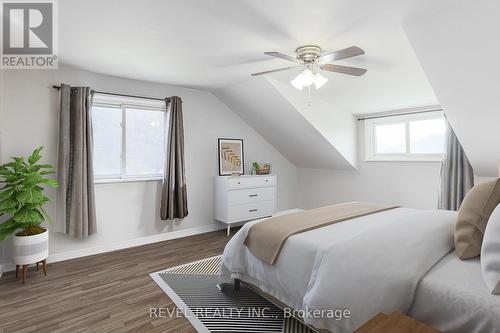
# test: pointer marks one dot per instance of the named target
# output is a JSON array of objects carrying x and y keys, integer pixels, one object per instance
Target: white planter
[{"x": 30, "y": 249}]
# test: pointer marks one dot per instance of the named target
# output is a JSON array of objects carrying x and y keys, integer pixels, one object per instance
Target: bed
[
  {"x": 382, "y": 262},
  {"x": 453, "y": 297}
]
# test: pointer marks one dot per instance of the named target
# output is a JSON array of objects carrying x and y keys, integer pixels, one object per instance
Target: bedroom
[{"x": 170, "y": 115}]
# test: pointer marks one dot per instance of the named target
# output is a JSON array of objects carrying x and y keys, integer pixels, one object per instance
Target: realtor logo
[{"x": 29, "y": 34}]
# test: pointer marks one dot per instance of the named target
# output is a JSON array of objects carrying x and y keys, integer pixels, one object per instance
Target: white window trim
[
  {"x": 126, "y": 180},
  {"x": 370, "y": 140},
  {"x": 123, "y": 103}
]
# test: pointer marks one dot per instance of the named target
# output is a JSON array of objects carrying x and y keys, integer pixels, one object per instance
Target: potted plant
[
  {"x": 22, "y": 199},
  {"x": 263, "y": 169}
]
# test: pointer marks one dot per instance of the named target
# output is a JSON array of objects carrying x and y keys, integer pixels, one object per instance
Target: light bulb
[
  {"x": 297, "y": 83},
  {"x": 304, "y": 79},
  {"x": 319, "y": 80},
  {"x": 307, "y": 77}
]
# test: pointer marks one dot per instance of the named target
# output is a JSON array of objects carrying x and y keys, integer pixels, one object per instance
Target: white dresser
[{"x": 244, "y": 198}]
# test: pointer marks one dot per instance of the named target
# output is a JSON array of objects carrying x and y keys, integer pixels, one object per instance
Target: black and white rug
[{"x": 193, "y": 289}]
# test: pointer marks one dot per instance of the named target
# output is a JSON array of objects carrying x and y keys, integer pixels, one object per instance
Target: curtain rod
[
  {"x": 402, "y": 113},
  {"x": 122, "y": 95}
]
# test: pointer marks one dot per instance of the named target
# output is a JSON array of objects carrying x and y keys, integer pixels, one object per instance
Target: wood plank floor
[{"x": 110, "y": 292}]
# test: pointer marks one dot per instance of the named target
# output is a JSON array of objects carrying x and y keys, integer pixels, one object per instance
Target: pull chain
[{"x": 308, "y": 96}]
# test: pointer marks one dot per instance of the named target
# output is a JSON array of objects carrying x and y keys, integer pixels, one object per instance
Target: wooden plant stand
[{"x": 25, "y": 269}]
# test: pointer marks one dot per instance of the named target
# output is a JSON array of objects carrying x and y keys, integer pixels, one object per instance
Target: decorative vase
[{"x": 30, "y": 249}]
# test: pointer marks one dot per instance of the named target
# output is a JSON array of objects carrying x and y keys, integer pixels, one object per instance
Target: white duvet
[
  {"x": 366, "y": 265},
  {"x": 453, "y": 298}
]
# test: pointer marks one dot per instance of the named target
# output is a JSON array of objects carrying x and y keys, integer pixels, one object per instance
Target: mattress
[{"x": 453, "y": 297}]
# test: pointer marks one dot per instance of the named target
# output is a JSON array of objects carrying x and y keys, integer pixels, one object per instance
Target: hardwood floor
[
  {"x": 110, "y": 292},
  {"x": 396, "y": 322}
]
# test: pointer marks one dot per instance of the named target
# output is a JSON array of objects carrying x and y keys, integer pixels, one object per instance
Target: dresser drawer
[
  {"x": 238, "y": 197},
  {"x": 251, "y": 211},
  {"x": 250, "y": 182}
]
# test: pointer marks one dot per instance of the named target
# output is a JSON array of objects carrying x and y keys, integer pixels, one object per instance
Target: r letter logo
[{"x": 29, "y": 34}]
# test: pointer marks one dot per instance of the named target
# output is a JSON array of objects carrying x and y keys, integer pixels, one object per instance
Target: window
[
  {"x": 411, "y": 137},
  {"x": 129, "y": 138}
]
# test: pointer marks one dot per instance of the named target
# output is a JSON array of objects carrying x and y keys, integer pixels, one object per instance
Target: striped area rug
[{"x": 193, "y": 289}]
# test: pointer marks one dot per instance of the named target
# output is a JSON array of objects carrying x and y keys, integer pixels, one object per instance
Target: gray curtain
[
  {"x": 75, "y": 198},
  {"x": 174, "y": 192},
  {"x": 457, "y": 176}
]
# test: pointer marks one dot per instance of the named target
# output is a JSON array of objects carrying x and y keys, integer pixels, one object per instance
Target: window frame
[
  {"x": 123, "y": 102},
  {"x": 370, "y": 138}
]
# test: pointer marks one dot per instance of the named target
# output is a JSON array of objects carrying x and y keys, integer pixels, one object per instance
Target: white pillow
[{"x": 490, "y": 252}]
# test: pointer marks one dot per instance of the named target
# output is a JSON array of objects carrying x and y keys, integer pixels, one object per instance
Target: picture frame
[{"x": 231, "y": 156}]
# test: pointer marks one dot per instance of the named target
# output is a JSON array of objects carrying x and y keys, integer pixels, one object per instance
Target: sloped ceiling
[
  {"x": 459, "y": 51},
  {"x": 216, "y": 44},
  {"x": 278, "y": 120},
  {"x": 336, "y": 125}
]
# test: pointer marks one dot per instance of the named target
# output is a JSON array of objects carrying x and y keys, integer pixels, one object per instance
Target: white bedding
[
  {"x": 454, "y": 298},
  {"x": 367, "y": 265}
]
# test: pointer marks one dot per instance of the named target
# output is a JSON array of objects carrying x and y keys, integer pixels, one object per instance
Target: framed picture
[{"x": 231, "y": 159}]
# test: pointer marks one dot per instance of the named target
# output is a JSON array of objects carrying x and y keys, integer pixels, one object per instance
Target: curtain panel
[
  {"x": 75, "y": 198},
  {"x": 457, "y": 175},
  {"x": 174, "y": 193}
]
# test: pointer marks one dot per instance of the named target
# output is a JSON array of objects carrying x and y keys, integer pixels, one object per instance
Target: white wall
[
  {"x": 411, "y": 184},
  {"x": 126, "y": 211}
]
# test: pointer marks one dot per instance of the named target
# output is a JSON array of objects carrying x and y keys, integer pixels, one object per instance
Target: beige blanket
[{"x": 265, "y": 239}]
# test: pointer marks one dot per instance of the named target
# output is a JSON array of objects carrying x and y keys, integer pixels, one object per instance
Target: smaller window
[{"x": 411, "y": 137}]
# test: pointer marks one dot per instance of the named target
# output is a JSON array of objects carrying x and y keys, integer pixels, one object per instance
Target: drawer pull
[
  {"x": 253, "y": 195},
  {"x": 253, "y": 210}
]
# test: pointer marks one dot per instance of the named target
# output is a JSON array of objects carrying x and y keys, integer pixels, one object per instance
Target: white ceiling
[{"x": 214, "y": 44}]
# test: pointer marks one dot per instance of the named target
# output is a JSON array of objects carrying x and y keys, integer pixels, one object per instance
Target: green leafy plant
[{"x": 22, "y": 196}]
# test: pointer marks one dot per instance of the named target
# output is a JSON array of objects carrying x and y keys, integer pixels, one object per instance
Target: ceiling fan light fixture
[
  {"x": 308, "y": 78},
  {"x": 311, "y": 57},
  {"x": 304, "y": 79}
]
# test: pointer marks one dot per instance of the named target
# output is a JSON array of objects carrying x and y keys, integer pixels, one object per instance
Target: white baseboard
[{"x": 122, "y": 245}]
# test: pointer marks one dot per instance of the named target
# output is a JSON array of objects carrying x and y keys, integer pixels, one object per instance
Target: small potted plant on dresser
[
  {"x": 21, "y": 200},
  {"x": 261, "y": 169}
]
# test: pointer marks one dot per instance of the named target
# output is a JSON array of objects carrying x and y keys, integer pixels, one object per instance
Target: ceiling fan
[{"x": 312, "y": 59}]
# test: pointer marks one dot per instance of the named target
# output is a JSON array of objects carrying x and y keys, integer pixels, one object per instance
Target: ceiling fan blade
[
  {"x": 341, "y": 54},
  {"x": 282, "y": 56},
  {"x": 343, "y": 69},
  {"x": 275, "y": 70}
]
